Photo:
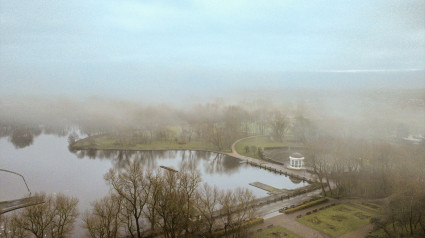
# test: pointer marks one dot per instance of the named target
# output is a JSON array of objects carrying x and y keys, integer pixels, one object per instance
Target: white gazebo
[{"x": 296, "y": 161}]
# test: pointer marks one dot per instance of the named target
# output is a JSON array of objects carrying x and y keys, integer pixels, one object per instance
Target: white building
[{"x": 296, "y": 161}]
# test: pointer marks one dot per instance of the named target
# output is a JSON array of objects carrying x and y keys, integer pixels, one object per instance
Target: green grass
[
  {"x": 109, "y": 142},
  {"x": 337, "y": 220},
  {"x": 260, "y": 142},
  {"x": 274, "y": 232}
]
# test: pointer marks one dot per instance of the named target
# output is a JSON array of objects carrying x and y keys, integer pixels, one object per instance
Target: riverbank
[
  {"x": 249, "y": 146},
  {"x": 106, "y": 142}
]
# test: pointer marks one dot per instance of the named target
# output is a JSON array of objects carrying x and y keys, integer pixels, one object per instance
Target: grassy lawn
[
  {"x": 260, "y": 142},
  {"x": 108, "y": 142},
  {"x": 274, "y": 232},
  {"x": 337, "y": 220}
]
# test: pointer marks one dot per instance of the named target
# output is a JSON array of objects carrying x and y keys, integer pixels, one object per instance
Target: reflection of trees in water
[
  {"x": 5, "y": 130},
  {"x": 221, "y": 164},
  {"x": 212, "y": 163},
  {"x": 149, "y": 159},
  {"x": 59, "y": 131},
  {"x": 22, "y": 137}
]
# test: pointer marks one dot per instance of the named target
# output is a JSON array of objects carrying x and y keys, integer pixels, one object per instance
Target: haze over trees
[{"x": 354, "y": 149}]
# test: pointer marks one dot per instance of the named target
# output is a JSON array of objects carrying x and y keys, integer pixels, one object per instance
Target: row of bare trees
[
  {"x": 174, "y": 204},
  {"x": 141, "y": 203}
]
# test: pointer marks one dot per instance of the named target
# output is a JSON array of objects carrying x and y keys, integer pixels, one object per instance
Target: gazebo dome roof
[{"x": 297, "y": 155}]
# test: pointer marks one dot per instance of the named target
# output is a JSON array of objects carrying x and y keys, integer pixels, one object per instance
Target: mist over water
[{"x": 88, "y": 87}]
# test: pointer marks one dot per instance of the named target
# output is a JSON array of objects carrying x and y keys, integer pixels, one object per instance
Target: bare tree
[
  {"x": 130, "y": 184},
  {"x": 54, "y": 217},
  {"x": 236, "y": 207},
  {"x": 189, "y": 179},
  {"x": 279, "y": 125},
  {"x": 170, "y": 207},
  {"x": 207, "y": 202},
  {"x": 103, "y": 220},
  {"x": 10, "y": 227},
  {"x": 156, "y": 181}
]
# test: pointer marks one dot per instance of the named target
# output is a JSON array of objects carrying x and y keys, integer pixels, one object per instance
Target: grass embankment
[
  {"x": 262, "y": 142},
  {"x": 337, "y": 220},
  {"x": 103, "y": 142},
  {"x": 276, "y": 231}
]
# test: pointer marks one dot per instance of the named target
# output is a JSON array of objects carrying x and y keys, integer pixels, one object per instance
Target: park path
[
  {"x": 289, "y": 222},
  {"x": 269, "y": 165}
]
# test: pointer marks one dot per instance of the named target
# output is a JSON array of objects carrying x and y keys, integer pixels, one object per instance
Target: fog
[
  {"x": 372, "y": 114},
  {"x": 87, "y": 86}
]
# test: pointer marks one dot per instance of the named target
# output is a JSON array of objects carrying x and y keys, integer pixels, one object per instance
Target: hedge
[{"x": 306, "y": 205}]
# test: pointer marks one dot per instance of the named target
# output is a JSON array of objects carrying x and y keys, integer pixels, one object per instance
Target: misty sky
[{"x": 165, "y": 48}]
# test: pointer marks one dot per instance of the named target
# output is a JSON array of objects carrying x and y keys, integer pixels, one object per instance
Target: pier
[{"x": 270, "y": 189}]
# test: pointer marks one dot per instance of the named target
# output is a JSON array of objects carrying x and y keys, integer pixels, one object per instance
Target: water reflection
[
  {"x": 80, "y": 173},
  {"x": 23, "y": 137},
  {"x": 209, "y": 162}
]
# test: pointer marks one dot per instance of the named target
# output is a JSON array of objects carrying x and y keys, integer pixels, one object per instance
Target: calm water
[{"x": 49, "y": 166}]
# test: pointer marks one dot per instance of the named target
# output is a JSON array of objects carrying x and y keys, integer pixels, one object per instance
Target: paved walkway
[
  {"x": 289, "y": 222},
  {"x": 272, "y": 166}
]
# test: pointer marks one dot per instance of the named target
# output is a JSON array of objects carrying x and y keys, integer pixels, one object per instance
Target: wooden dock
[{"x": 271, "y": 190}]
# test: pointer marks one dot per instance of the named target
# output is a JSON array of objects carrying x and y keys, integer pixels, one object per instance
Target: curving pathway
[{"x": 272, "y": 166}]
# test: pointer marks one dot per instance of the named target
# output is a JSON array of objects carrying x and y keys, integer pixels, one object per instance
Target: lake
[{"x": 49, "y": 166}]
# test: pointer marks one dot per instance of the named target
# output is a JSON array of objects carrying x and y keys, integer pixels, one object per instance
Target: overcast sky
[{"x": 164, "y": 48}]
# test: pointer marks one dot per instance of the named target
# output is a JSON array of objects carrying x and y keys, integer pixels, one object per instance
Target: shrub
[{"x": 306, "y": 205}]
